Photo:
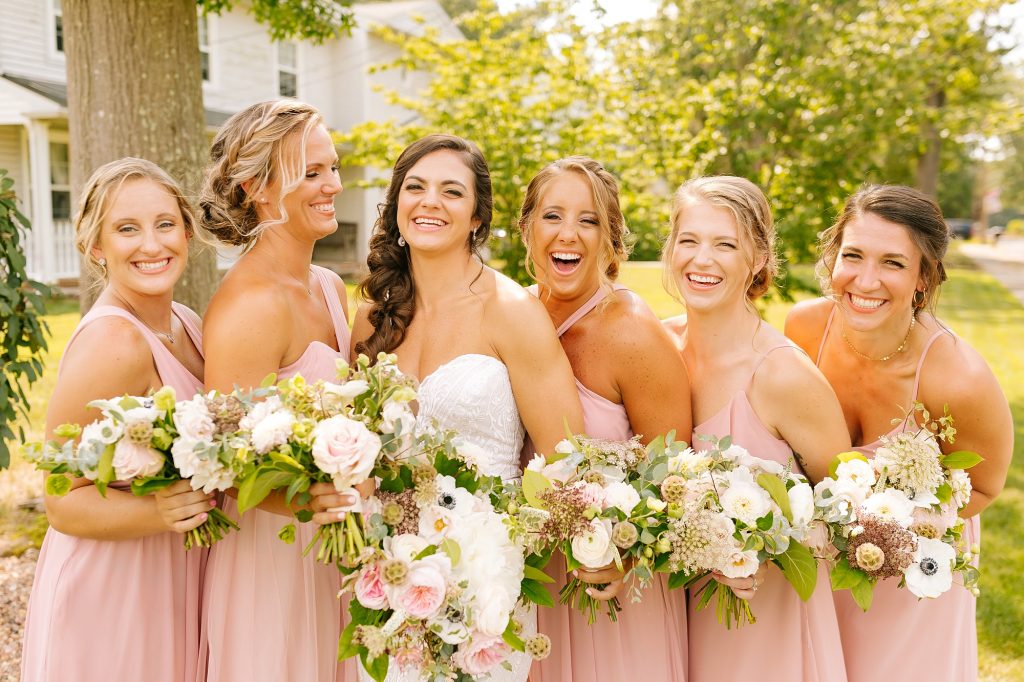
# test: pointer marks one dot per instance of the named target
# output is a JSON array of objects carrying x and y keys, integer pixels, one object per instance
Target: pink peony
[
  {"x": 481, "y": 654},
  {"x": 409, "y": 658},
  {"x": 424, "y": 589},
  {"x": 345, "y": 450},
  {"x": 135, "y": 460},
  {"x": 369, "y": 588}
]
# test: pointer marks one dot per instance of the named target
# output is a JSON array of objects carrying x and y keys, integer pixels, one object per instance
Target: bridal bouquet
[
  {"x": 152, "y": 443},
  {"x": 329, "y": 433},
  {"x": 437, "y": 590},
  {"x": 896, "y": 515}
]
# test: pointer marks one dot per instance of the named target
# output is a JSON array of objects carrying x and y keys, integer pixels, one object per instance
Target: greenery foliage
[
  {"x": 22, "y": 329},
  {"x": 315, "y": 20}
]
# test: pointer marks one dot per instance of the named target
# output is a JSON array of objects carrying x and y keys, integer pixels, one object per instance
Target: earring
[
  {"x": 102, "y": 262},
  {"x": 401, "y": 240},
  {"x": 472, "y": 235},
  {"x": 920, "y": 298}
]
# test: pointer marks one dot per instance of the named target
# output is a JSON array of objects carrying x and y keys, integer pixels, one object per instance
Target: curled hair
[
  {"x": 604, "y": 191},
  {"x": 95, "y": 202},
  {"x": 905, "y": 206},
  {"x": 261, "y": 145},
  {"x": 389, "y": 285},
  {"x": 753, "y": 216}
]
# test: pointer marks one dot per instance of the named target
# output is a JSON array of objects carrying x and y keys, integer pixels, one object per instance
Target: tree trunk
[
  {"x": 135, "y": 89},
  {"x": 928, "y": 164}
]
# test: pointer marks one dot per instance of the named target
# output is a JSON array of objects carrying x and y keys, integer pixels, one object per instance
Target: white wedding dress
[{"x": 472, "y": 395}]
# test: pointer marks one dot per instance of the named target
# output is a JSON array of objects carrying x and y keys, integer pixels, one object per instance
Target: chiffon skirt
[
  {"x": 270, "y": 614},
  {"x": 105, "y": 610},
  {"x": 647, "y": 643}
]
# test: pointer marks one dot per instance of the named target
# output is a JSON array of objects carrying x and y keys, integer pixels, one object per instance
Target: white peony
[
  {"x": 931, "y": 572},
  {"x": 856, "y": 472},
  {"x": 193, "y": 420},
  {"x": 272, "y": 431},
  {"x": 258, "y": 412},
  {"x": 891, "y": 504},
  {"x": 594, "y": 549},
  {"x": 397, "y": 417},
  {"x": 740, "y": 564},
  {"x": 210, "y": 475},
  {"x": 404, "y": 546},
  {"x": 135, "y": 460},
  {"x": 961, "y": 484},
  {"x": 621, "y": 496},
  {"x": 492, "y": 566},
  {"x": 745, "y": 501}
]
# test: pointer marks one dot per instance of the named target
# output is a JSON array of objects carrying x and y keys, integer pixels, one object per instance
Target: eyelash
[{"x": 314, "y": 174}]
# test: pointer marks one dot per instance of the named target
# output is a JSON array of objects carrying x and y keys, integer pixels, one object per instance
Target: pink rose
[
  {"x": 424, "y": 589},
  {"x": 345, "y": 450},
  {"x": 135, "y": 460},
  {"x": 409, "y": 658},
  {"x": 369, "y": 588},
  {"x": 481, "y": 654}
]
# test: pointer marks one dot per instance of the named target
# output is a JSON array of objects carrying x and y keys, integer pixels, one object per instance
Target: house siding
[{"x": 26, "y": 43}]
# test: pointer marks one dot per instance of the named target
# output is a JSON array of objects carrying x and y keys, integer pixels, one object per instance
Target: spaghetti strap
[
  {"x": 326, "y": 279},
  {"x": 765, "y": 357},
  {"x": 920, "y": 363},
  {"x": 824, "y": 335},
  {"x": 592, "y": 303}
]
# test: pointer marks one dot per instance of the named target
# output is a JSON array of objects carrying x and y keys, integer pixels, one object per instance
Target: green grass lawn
[{"x": 977, "y": 307}]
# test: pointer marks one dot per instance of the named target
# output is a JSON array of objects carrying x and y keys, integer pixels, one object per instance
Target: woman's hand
[
  {"x": 744, "y": 588},
  {"x": 330, "y": 506},
  {"x": 610, "y": 576},
  {"x": 181, "y": 508}
]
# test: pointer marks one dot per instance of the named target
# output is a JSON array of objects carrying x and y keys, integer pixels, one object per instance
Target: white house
[{"x": 241, "y": 66}]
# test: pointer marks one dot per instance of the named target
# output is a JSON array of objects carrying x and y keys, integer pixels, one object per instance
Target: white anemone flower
[{"x": 931, "y": 572}]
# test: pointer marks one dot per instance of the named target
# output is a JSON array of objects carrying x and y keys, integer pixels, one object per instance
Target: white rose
[
  {"x": 856, "y": 472},
  {"x": 338, "y": 396},
  {"x": 740, "y": 564},
  {"x": 273, "y": 430},
  {"x": 345, "y": 449},
  {"x": 135, "y": 460},
  {"x": 404, "y": 546},
  {"x": 801, "y": 503},
  {"x": 397, "y": 414},
  {"x": 185, "y": 456},
  {"x": 621, "y": 496},
  {"x": 493, "y": 607},
  {"x": 746, "y": 502},
  {"x": 193, "y": 420},
  {"x": 891, "y": 504},
  {"x": 594, "y": 549}
]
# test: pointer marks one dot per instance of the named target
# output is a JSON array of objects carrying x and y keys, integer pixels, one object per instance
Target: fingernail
[
  {"x": 213, "y": 503},
  {"x": 589, "y": 592},
  {"x": 575, "y": 573},
  {"x": 204, "y": 516},
  {"x": 341, "y": 516}
]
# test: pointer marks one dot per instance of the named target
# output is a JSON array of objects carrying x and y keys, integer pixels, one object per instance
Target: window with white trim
[
  {"x": 287, "y": 69},
  {"x": 58, "y": 27},
  {"x": 60, "y": 181},
  {"x": 204, "y": 47}
]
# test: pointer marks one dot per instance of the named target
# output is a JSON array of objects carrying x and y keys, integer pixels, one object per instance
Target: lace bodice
[{"x": 472, "y": 395}]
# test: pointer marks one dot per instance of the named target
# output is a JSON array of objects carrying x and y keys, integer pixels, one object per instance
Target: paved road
[{"x": 1004, "y": 261}]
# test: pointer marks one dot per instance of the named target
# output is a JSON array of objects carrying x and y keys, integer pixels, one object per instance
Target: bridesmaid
[
  {"x": 630, "y": 380},
  {"x": 751, "y": 383},
  {"x": 271, "y": 614},
  {"x": 878, "y": 342},
  {"x": 116, "y": 596}
]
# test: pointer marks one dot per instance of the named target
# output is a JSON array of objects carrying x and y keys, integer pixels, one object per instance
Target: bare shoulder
[
  {"x": 787, "y": 372},
  {"x": 968, "y": 379},
  {"x": 629, "y": 324},
  {"x": 509, "y": 304},
  {"x": 245, "y": 301},
  {"x": 806, "y": 321}
]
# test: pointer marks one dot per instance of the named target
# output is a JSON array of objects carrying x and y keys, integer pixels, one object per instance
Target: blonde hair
[
  {"x": 104, "y": 183},
  {"x": 753, "y": 216},
  {"x": 604, "y": 190},
  {"x": 251, "y": 148}
]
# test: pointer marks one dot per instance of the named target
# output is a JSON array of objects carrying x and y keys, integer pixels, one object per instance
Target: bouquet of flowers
[
  {"x": 329, "y": 433},
  {"x": 438, "y": 588},
  {"x": 667, "y": 509},
  {"x": 152, "y": 443},
  {"x": 896, "y": 515}
]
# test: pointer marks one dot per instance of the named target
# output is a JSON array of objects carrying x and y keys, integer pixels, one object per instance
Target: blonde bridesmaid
[
  {"x": 751, "y": 383},
  {"x": 877, "y": 340},
  {"x": 116, "y": 596}
]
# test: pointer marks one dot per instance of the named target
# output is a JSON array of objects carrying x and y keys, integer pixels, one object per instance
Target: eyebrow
[
  {"x": 559, "y": 207},
  {"x": 131, "y": 219},
  {"x": 884, "y": 255},
  {"x": 314, "y": 164},
  {"x": 718, "y": 236},
  {"x": 444, "y": 182}
]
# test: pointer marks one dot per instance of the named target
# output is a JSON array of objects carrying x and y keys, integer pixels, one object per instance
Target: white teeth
[
  {"x": 429, "y": 221},
  {"x": 865, "y": 302},
  {"x": 324, "y": 208},
  {"x": 154, "y": 265},
  {"x": 560, "y": 255},
  {"x": 705, "y": 279}
]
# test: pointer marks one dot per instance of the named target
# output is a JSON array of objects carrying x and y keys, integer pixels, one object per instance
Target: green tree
[{"x": 22, "y": 330}]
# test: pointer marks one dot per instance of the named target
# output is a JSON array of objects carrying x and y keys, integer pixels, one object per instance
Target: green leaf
[
  {"x": 679, "y": 579},
  {"x": 536, "y": 593},
  {"x": 800, "y": 568},
  {"x": 844, "y": 576},
  {"x": 452, "y": 549},
  {"x": 287, "y": 534},
  {"x": 540, "y": 576},
  {"x": 148, "y": 486},
  {"x": 57, "y": 485},
  {"x": 533, "y": 484},
  {"x": 511, "y": 638},
  {"x": 105, "y": 470},
  {"x": 269, "y": 380},
  {"x": 378, "y": 667},
  {"x": 777, "y": 491},
  {"x": 429, "y": 550},
  {"x": 863, "y": 593},
  {"x": 256, "y": 486},
  {"x": 961, "y": 459},
  {"x": 346, "y": 648},
  {"x": 944, "y": 492}
]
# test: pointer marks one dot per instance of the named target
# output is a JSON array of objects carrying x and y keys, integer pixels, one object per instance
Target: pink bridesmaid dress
[
  {"x": 902, "y": 637},
  {"x": 105, "y": 610},
  {"x": 270, "y": 614},
  {"x": 649, "y": 640},
  {"x": 792, "y": 640}
]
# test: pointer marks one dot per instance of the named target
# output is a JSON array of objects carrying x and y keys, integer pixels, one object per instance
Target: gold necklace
[
  {"x": 884, "y": 358},
  {"x": 131, "y": 309}
]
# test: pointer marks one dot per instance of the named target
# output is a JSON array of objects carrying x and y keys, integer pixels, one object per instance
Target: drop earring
[{"x": 401, "y": 240}]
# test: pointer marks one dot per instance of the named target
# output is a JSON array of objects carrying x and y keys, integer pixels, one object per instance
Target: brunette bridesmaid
[
  {"x": 877, "y": 340},
  {"x": 116, "y": 596},
  {"x": 630, "y": 380},
  {"x": 751, "y": 383}
]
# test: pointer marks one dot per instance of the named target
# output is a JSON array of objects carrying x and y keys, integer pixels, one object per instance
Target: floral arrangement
[
  {"x": 330, "y": 433},
  {"x": 153, "y": 442},
  {"x": 667, "y": 508},
  {"x": 896, "y": 515},
  {"x": 437, "y": 589}
]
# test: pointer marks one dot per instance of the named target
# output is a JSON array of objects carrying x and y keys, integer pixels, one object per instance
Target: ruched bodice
[{"x": 472, "y": 395}]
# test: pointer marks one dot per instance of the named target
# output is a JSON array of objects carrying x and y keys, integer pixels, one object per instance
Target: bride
[{"x": 482, "y": 347}]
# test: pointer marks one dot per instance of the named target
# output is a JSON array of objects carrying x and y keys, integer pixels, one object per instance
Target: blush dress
[
  {"x": 649, "y": 640},
  {"x": 901, "y": 636},
  {"x": 270, "y": 614},
  {"x": 792, "y": 640},
  {"x": 105, "y": 610}
]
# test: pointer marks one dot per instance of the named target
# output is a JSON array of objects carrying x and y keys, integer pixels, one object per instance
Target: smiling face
[
  {"x": 437, "y": 204},
  {"x": 143, "y": 239},
  {"x": 710, "y": 261},
  {"x": 876, "y": 273},
  {"x": 566, "y": 238},
  {"x": 310, "y": 206}
]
